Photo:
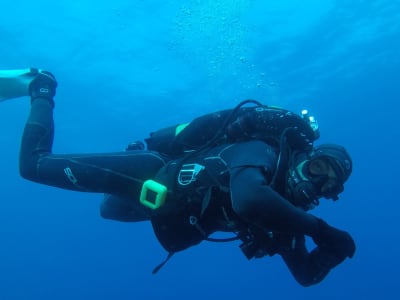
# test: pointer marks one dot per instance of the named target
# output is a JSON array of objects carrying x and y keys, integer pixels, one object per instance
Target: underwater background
[{"x": 128, "y": 67}]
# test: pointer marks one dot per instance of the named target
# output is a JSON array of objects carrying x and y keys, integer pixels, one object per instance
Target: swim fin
[{"x": 15, "y": 83}]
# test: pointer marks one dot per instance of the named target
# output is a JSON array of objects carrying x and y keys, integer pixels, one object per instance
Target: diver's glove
[
  {"x": 43, "y": 85},
  {"x": 333, "y": 244}
]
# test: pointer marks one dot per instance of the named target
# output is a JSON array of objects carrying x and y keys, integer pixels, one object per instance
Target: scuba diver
[{"x": 252, "y": 171}]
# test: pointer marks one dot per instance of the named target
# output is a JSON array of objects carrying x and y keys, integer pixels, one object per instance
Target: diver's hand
[{"x": 334, "y": 242}]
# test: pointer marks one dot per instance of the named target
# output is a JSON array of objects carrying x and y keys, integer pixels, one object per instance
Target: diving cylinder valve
[{"x": 311, "y": 121}]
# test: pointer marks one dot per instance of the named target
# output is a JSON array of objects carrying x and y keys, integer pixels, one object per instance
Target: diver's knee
[{"x": 27, "y": 170}]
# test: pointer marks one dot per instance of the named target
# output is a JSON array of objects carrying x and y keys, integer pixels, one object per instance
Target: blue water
[{"x": 126, "y": 68}]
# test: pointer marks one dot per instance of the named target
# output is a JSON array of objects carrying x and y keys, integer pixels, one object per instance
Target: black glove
[{"x": 333, "y": 242}]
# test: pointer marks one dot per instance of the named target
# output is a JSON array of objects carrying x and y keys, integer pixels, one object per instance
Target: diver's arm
[
  {"x": 307, "y": 268},
  {"x": 257, "y": 203}
]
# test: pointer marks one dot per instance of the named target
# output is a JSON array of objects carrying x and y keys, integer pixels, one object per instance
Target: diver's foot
[{"x": 43, "y": 85}]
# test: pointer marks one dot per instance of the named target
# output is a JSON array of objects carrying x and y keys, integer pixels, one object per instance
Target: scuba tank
[{"x": 261, "y": 122}]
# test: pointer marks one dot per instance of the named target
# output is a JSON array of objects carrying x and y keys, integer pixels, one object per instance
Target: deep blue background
[{"x": 126, "y": 68}]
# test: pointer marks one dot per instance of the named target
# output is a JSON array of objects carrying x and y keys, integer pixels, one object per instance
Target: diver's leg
[
  {"x": 121, "y": 173},
  {"x": 37, "y": 139},
  {"x": 254, "y": 201}
]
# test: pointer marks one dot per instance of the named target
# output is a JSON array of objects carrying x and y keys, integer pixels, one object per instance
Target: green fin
[{"x": 14, "y": 83}]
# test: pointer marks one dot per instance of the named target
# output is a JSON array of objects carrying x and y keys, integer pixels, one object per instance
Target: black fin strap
[{"x": 156, "y": 269}]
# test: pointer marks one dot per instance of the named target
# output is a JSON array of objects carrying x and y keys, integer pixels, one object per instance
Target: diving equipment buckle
[
  {"x": 188, "y": 173},
  {"x": 153, "y": 194}
]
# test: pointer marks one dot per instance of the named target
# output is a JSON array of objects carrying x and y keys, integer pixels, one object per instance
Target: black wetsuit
[{"x": 239, "y": 181}]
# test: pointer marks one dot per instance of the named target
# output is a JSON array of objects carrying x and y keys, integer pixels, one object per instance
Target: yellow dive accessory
[
  {"x": 179, "y": 128},
  {"x": 153, "y": 194}
]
